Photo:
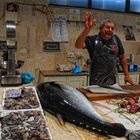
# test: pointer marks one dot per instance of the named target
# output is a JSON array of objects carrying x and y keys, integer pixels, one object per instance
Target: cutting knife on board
[
  {"x": 102, "y": 89},
  {"x": 107, "y": 89},
  {"x": 117, "y": 88}
]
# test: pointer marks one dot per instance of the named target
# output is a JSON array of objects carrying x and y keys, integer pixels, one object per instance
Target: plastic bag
[
  {"x": 27, "y": 77},
  {"x": 77, "y": 68}
]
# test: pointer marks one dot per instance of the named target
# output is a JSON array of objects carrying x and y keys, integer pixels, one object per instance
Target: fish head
[{"x": 50, "y": 97}]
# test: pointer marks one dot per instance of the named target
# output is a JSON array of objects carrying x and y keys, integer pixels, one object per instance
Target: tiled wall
[{"x": 33, "y": 28}]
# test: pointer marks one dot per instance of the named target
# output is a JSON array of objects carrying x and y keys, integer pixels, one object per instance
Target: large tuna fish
[{"x": 74, "y": 107}]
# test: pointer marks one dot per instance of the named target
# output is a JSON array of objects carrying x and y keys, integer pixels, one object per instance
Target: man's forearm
[
  {"x": 127, "y": 77},
  {"x": 124, "y": 65},
  {"x": 80, "y": 41}
]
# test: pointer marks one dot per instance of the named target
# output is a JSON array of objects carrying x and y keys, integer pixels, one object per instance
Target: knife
[{"x": 115, "y": 88}]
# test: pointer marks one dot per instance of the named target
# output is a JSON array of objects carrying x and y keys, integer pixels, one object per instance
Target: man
[{"x": 103, "y": 49}]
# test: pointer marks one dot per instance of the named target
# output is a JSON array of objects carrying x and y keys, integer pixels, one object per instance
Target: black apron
[{"x": 104, "y": 63}]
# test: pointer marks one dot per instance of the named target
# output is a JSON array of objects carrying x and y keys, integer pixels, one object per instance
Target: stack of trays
[{"x": 22, "y": 116}]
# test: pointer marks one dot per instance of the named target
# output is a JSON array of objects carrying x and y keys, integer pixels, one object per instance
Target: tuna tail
[{"x": 134, "y": 135}]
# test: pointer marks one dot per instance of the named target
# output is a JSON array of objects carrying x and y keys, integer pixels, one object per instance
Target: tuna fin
[
  {"x": 134, "y": 135},
  {"x": 60, "y": 119}
]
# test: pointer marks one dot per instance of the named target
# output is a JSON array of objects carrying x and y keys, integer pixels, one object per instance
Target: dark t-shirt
[
  {"x": 103, "y": 55},
  {"x": 90, "y": 44}
]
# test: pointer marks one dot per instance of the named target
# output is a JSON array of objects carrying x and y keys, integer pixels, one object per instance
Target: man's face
[{"x": 107, "y": 31}]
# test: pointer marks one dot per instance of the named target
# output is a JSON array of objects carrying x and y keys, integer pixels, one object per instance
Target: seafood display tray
[
  {"x": 27, "y": 99},
  {"x": 24, "y": 125},
  {"x": 23, "y": 122}
]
